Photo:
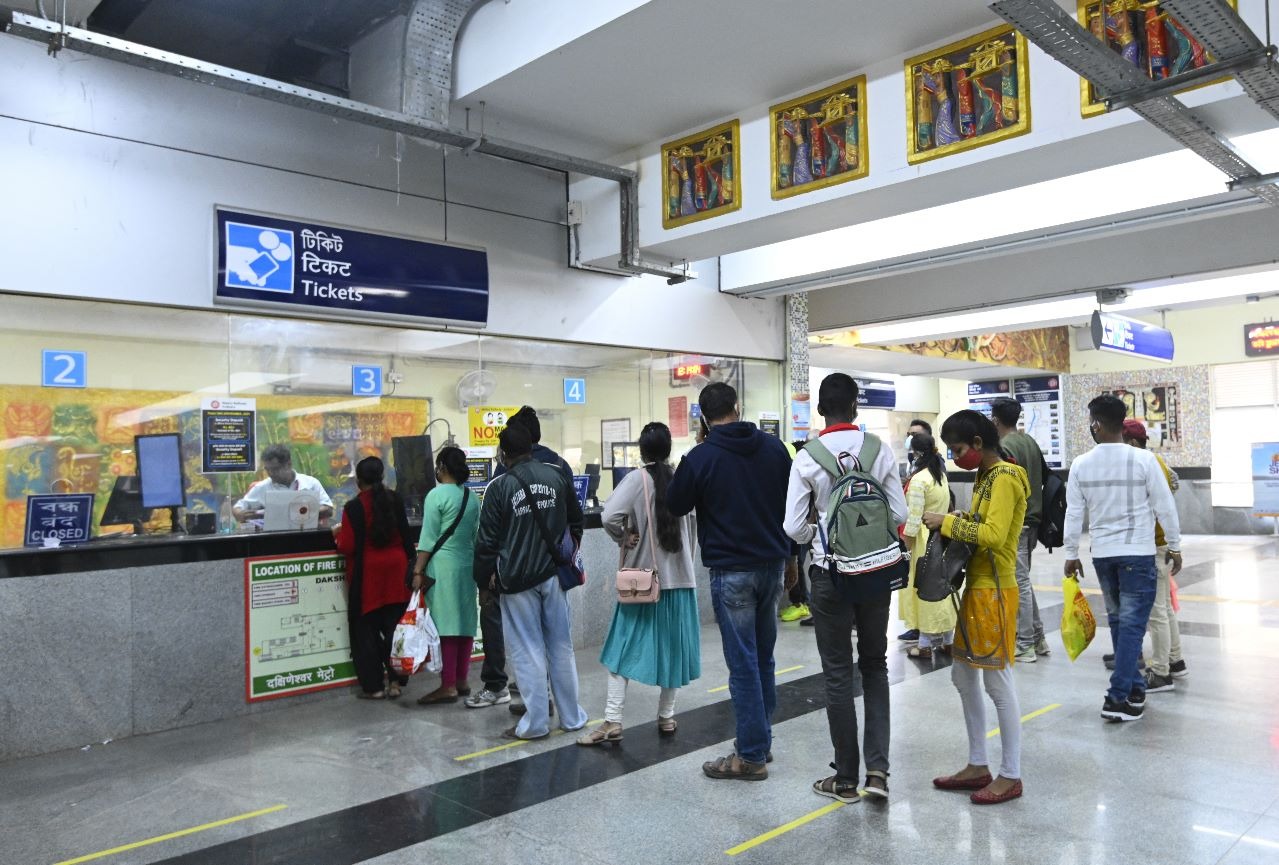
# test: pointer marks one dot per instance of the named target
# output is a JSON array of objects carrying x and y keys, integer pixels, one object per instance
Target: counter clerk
[{"x": 277, "y": 462}]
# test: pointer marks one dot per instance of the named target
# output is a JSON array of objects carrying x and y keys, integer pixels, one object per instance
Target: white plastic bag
[{"x": 416, "y": 641}]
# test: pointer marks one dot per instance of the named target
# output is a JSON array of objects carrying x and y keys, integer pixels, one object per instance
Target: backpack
[
  {"x": 1052, "y": 522},
  {"x": 868, "y": 559}
]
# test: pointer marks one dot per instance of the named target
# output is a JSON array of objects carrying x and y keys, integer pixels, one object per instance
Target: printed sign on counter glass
[
  {"x": 1040, "y": 399},
  {"x": 677, "y": 416},
  {"x": 227, "y": 428},
  {"x": 1261, "y": 340},
  {"x": 486, "y": 423},
  {"x": 295, "y": 625},
  {"x": 771, "y": 423},
  {"x": 54, "y": 520},
  {"x": 269, "y": 260},
  {"x": 574, "y": 391},
  {"x": 366, "y": 381},
  {"x": 1265, "y": 479},
  {"x": 480, "y": 470},
  {"x": 618, "y": 430}
]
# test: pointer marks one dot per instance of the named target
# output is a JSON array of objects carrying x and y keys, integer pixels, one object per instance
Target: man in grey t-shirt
[{"x": 1025, "y": 450}]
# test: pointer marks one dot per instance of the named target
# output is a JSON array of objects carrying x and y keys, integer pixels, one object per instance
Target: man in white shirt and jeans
[
  {"x": 1122, "y": 491},
  {"x": 834, "y": 617}
]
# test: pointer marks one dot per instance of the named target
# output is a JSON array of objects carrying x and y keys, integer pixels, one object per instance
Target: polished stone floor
[{"x": 345, "y": 781}]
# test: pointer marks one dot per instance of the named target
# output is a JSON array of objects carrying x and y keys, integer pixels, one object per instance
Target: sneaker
[
  {"x": 1026, "y": 655},
  {"x": 1177, "y": 669},
  {"x": 1109, "y": 661},
  {"x": 486, "y": 698},
  {"x": 808, "y": 623},
  {"x": 795, "y": 612},
  {"x": 1137, "y": 698},
  {"x": 911, "y": 636},
  {"x": 1041, "y": 647},
  {"x": 1156, "y": 683},
  {"x": 1124, "y": 711}
]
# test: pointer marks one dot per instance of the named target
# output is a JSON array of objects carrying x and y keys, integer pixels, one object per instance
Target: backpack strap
[
  {"x": 869, "y": 452},
  {"x": 823, "y": 457}
]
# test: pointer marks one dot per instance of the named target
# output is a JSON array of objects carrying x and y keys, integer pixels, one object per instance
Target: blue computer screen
[{"x": 160, "y": 470}]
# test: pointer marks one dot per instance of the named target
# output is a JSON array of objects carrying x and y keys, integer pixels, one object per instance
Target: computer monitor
[
  {"x": 414, "y": 471},
  {"x": 124, "y": 507},
  {"x": 620, "y": 472},
  {"x": 160, "y": 470}
]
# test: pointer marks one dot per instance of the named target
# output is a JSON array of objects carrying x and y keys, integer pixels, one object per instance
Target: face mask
[
  {"x": 909, "y": 441},
  {"x": 970, "y": 460}
]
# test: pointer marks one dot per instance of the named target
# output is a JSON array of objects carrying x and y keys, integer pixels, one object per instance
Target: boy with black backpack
[{"x": 857, "y": 563}]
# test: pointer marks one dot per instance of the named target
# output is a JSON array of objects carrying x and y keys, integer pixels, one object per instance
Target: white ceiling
[{"x": 674, "y": 64}]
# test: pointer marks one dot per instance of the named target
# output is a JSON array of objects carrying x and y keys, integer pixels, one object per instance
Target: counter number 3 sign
[
  {"x": 366, "y": 381},
  {"x": 574, "y": 391},
  {"x": 63, "y": 368}
]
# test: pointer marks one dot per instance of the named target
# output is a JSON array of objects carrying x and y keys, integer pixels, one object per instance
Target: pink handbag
[{"x": 640, "y": 585}]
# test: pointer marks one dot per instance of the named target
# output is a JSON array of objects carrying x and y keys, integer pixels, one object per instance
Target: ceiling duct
[
  {"x": 1061, "y": 37},
  {"x": 57, "y": 36},
  {"x": 429, "y": 42}
]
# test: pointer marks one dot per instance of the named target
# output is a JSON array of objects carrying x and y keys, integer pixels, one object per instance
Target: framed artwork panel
[
  {"x": 701, "y": 175},
  {"x": 819, "y": 139}
]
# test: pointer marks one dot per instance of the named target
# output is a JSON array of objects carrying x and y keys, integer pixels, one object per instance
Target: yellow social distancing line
[
  {"x": 722, "y": 688},
  {"x": 821, "y": 812},
  {"x": 497, "y": 748},
  {"x": 170, "y": 836}
]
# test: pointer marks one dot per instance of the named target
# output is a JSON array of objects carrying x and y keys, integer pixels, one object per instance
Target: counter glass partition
[{"x": 233, "y": 384}]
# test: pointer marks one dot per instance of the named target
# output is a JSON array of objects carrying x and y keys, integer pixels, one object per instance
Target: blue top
[{"x": 737, "y": 481}]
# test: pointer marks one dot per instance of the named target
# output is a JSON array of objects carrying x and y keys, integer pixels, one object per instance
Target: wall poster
[
  {"x": 1040, "y": 399},
  {"x": 1265, "y": 479},
  {"x": 611, "y": 432},
  {"x": 1158, "y": 407}
]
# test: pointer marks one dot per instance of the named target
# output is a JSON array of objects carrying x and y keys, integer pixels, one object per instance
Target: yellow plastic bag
[{"x": 1078, "y": 626}]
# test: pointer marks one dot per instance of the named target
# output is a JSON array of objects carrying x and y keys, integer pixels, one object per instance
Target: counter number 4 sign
[
  {"x": 63, "y": 368},
  {"x": 574, "y": 391}
]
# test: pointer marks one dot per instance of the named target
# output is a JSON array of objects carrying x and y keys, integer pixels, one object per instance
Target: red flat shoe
[
  {"x": 984, "y": 797},
  {"x": 950, "y": 782}
]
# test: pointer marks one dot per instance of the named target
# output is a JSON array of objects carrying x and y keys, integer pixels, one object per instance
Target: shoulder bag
[
  {"x": 639, "y": 585},
  {"x": 566, "y": 554}
]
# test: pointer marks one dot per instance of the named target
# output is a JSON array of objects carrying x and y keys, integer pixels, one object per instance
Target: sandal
[
  {"x": 734, "y": 767},
  {"x": 609, "y": 731},
  {"x": 876, "y": 786},
  {"x": 437, "y": 696},
  {"x": 393, "y": 691},
  {"x": 923, "y": 654},
  {"x": 833, "y": 788},
  {"x": 667, "y": 726},
  {"x": 365, "y": 695}
]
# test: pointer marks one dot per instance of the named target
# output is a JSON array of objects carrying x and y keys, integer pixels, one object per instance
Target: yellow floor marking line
[
  {"x": 1184, "y": 596},
  {"x": 782, "y": 830},
  {"x": 722, "y": 688},
  {"x": 517, "y": 744},
  {"x": 1024, "y": 718},
  {"x": 170, "y": 836}
]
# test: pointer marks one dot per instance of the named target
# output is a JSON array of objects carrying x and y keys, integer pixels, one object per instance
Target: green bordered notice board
[{"x": 295, "y": 627}]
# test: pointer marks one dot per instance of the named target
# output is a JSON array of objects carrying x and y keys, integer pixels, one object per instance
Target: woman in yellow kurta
[
  {"x": 927, "y": 490},
  {"x": 987, "y": 629}
]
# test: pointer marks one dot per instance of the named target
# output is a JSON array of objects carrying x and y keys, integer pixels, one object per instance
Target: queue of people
[{"x": 748, "y": 502}]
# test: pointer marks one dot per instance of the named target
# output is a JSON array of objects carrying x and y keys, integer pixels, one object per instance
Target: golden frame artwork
[
  {"x": 967, "y": 94},
  {"x": 1145, "y": 35},
  {"x": 811, "y": 147},
  {"x": 701, "y": 175}
]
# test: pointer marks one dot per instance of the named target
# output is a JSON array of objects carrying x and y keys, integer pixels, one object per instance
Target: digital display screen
[{"x": 160, "y": 470}]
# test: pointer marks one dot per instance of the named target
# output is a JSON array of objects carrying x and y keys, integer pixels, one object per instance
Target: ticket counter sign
[
  {"x": 486, "y": 423},
  {"x": 1261, "y": 340},
  {"x": 1265, "y": 479},
  {"x": 54, "y": 520},
  {"x": 296, "y": 638}
]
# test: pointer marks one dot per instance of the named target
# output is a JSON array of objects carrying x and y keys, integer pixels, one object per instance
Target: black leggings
[{"x": 371, "y": 636}]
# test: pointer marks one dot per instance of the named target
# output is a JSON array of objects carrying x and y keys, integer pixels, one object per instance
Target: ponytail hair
[
  {"x": 370, "y": 472},
  {"x": 655, "y": 451},
  {"x": 453, "y": 460},
  {"x": 926, "y": 457}
]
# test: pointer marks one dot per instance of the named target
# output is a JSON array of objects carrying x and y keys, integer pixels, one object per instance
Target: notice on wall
[
  {"x": 1040, "y": 399},
  {"x": 981, "y": 394},
  {"x": 295, "y": 629},
  {"x": 801, "y": 415},
  {"x": 486, "y": 423},
  {"x": 1158, "y": 407},
  {"x": 1265, "y": 479},
  {"x": 611, "y": 432},
  {"x": 770, "y": 422},
  {"x": 677, "y": 413},
  {"x": 227, "y": 435},
  {"x": 479, "y": 469}
]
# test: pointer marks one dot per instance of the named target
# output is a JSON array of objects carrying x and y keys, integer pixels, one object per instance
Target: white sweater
[{"x": 1122, "y": 490}]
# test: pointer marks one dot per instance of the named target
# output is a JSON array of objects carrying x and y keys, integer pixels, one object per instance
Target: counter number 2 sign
[
  {"x": 366, "y": 381},
  {"x": 63, "y": 368},
  {"x": 574, "y": 391}
]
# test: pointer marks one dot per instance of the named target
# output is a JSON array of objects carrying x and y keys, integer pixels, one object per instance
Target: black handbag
[{"x": 939, "y": 573}]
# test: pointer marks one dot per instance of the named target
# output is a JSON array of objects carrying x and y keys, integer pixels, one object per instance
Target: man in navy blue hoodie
[{"x": 737, "y": 482}]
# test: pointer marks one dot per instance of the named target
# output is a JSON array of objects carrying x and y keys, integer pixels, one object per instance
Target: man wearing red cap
[{"x": 1166, "y": 662}]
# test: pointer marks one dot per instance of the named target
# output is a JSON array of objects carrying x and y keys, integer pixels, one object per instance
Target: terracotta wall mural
[{"x": 1046, "y": 348}]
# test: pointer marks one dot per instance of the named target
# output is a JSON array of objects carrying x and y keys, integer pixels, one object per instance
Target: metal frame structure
[
  {"x": 1061, "y": 37},
  {"x": 58, "y": 36}
]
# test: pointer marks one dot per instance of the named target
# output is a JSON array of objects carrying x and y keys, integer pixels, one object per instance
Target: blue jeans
[
  {"x": 535, "y": 624},
  {"x": 745, "y": 605},
  {"x": 1128, "y": 585}
]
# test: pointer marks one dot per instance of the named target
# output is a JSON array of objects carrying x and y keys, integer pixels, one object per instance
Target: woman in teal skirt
[{"x": 656, "y": 644}]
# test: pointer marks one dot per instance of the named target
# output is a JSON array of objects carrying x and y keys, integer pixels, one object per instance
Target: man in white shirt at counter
[
  {"x": 1121, "y": 490},
  {"x": 277, "y": 462}
]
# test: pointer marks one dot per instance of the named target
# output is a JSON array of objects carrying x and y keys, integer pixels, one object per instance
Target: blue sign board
[
  {"x": 1123, "y": 335},
  {"x": 66, "y": 518},
  {"x": 1265, "y": 479},
  {"x": 876, "y": 394},
  {"x": 998, "y": 387},
  {"x": 581, "y": 483},
  {"x": 366, "y": 381},
  {"x": 323, "y": 268},
  {"x": 574, "y": 391},
  {"x": 63, "y": 368}
]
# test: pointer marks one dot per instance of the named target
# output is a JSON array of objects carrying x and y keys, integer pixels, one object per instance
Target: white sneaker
[
  {"x": 486, "y": 698},
  {"x": 1026, "y": 655},
  {"x": 1041, "y": 647}
]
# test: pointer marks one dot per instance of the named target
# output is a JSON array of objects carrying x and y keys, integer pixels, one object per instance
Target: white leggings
[
  {"x": 617, "y": 699},
  {"x": 999, "y": 684}
]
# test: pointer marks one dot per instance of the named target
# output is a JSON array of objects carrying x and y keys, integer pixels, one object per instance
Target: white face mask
[{"x": 909, "y": 439}]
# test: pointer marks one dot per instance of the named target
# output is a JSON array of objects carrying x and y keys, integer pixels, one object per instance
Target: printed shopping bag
[
  {"x": 1078, "y": 626},
  {"x": 416, "y": 641}
]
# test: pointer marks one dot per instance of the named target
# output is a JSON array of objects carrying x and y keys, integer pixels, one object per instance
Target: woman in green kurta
[{"x": 450, "y": 516}]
